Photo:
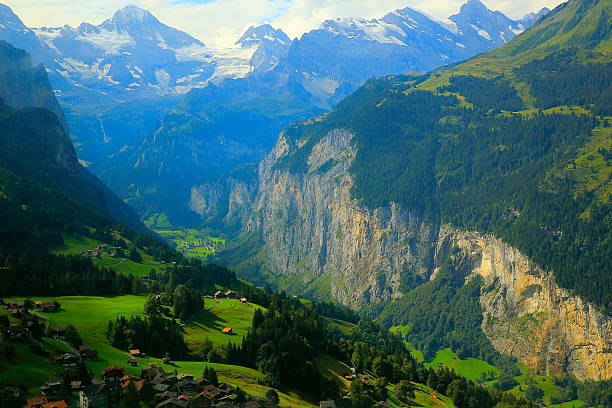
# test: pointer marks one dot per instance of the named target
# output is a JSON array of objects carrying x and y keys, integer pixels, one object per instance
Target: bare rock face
[
  {"x": 527, "y": 315},
  {"x": 315, "y": 237}
]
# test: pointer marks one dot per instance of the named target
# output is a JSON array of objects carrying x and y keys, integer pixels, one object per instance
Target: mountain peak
[
  {"x": 475, "y": 4},
  {"x": 259, "y": 33},
  {"x": 130, "y": 16}
]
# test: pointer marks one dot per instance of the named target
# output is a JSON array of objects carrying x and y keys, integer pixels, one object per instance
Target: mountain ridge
[{"x": 359, "y": 204}]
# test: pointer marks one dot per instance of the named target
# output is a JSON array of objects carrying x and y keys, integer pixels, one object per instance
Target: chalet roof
[
  {"x": 166, "y": 395},
  {"x": 153, "y": 371},
  {"x": 210, "y": 387},
  {"x": 134, "y": 352},
  {"x": 137, "y": 383},
  {"x": 173, "y": 402},
  {"x": 226, "y": 330},
  {"x": 108, "y": 370},
  {"x": 160, "y": 387},
  {"x": 185, "y": 376},
  {"x": 327, "y": 404},
  {"x": 56, "y": 404},
  {"x": 37, "y": 401},
  {"x": 186, "y": 383}
]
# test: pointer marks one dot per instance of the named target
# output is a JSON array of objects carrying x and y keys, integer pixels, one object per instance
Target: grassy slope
[
  {"x": 471, "y": 368},
  {"x": 73, "y": 245},
  {"x": 217, "y": 315},
  {"x": 91, "y": 315}
]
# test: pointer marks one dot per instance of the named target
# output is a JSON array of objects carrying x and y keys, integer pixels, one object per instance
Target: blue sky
[{"x": 220, "y": 22}]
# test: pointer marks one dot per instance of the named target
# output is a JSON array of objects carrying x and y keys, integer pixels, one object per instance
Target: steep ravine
[{"x": 315, "y": 238}]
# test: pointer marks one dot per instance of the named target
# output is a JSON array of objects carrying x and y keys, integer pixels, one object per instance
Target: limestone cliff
[
  {"x": 527, "y": 315},
  {"x": 315, "y": 238}
]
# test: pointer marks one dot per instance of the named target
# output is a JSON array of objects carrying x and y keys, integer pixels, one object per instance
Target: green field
[
  {"x": 422, "y": 398},
  {"x": 470, "y": 368},
  {"x": 90, "y": 315},
  {"x": 217, "y": 315},
  {"x": 191, "y": 242},
  {"x": 73, "y": 245}
]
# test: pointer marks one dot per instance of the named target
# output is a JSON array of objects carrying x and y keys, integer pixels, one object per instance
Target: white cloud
[{"x": 220, "y": 22}]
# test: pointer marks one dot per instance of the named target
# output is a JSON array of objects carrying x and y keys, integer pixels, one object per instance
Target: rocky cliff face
[
  {"x": 316, "y": 239},
  {"x": 527, "y": 315}
]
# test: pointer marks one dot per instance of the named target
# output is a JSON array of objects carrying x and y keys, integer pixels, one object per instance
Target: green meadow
[
  {"x": 192, "y": 242},
  {"x": 470, "y": 368},
  {"x": 90, "y": 315},
  {"x": 218, "y": 314},
  {"x": 73, "y": 245}
]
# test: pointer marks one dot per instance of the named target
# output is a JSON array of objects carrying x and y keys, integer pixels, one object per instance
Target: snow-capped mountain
[
  {"x": 483, "y": 29},
  {"x": 134, "y": 55},
  {"x": 271, "y": 46},
  {"x": 148, "y": 102},
  {"x": 530, "y": 19},
  {"x": 333, "y": 60},
  {"x": 13, "y": 31}
]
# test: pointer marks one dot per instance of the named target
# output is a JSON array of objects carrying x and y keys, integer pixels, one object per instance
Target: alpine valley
[{"x": 388, "y": 212}]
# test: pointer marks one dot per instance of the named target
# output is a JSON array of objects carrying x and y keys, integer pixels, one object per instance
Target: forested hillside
[{"x": 514, "y": 143}]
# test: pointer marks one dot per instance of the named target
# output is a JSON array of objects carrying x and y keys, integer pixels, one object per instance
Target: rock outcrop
[
  {"x": 527, "y": 315},
  {"x": 314, "y": 237}
]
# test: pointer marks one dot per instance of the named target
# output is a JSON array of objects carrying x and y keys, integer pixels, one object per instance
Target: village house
[
  {"x": 15, "y": 312},
  {"x": 37, "y": 402},
  {"x": 66, "y": 360},
  {"x": 87, "y": 353},
  {"x": 230, "y": 294},
  {"x": 51, "y": 388},
  {"x": 94, "y": 396},
  {"x": 227, "y": 330},
  {"x": 58, "y": 332},
  {"x": 76, "y": 385},
  {"x": 187, "y": 386},
  {"x": 243, "y": 300},
  {"x": 173, "y": 403},
  {"x": 217, "y": 294},
  {"x": 46, "y": 307},
  {"x": 327, "y": 404},
  {"x": 132, "y": 362},
  {"x": 152, "y": 371},
  {"x": 112, "y": 375},
  {"x": 138, "y": 384},
  {"x": 55, "y": 404},
  {"x": 135, "y": 353},
  {"x": 16, "y": 330}
]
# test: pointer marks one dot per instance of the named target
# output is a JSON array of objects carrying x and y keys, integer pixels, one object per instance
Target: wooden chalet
[
  {"x": 87, "y": 353},
  {"x": 36, "y": 402},
  {"x": 227, "y": 330},
  {"x": 55, "y": 404}
]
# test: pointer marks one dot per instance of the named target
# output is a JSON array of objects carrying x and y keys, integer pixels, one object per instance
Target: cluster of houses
[
  {"x": 22, "y": 311},
  {"x": 168, "y": 390},
  {"x": 208, "y": 246},
  {"x": 99, "y": 250}
]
